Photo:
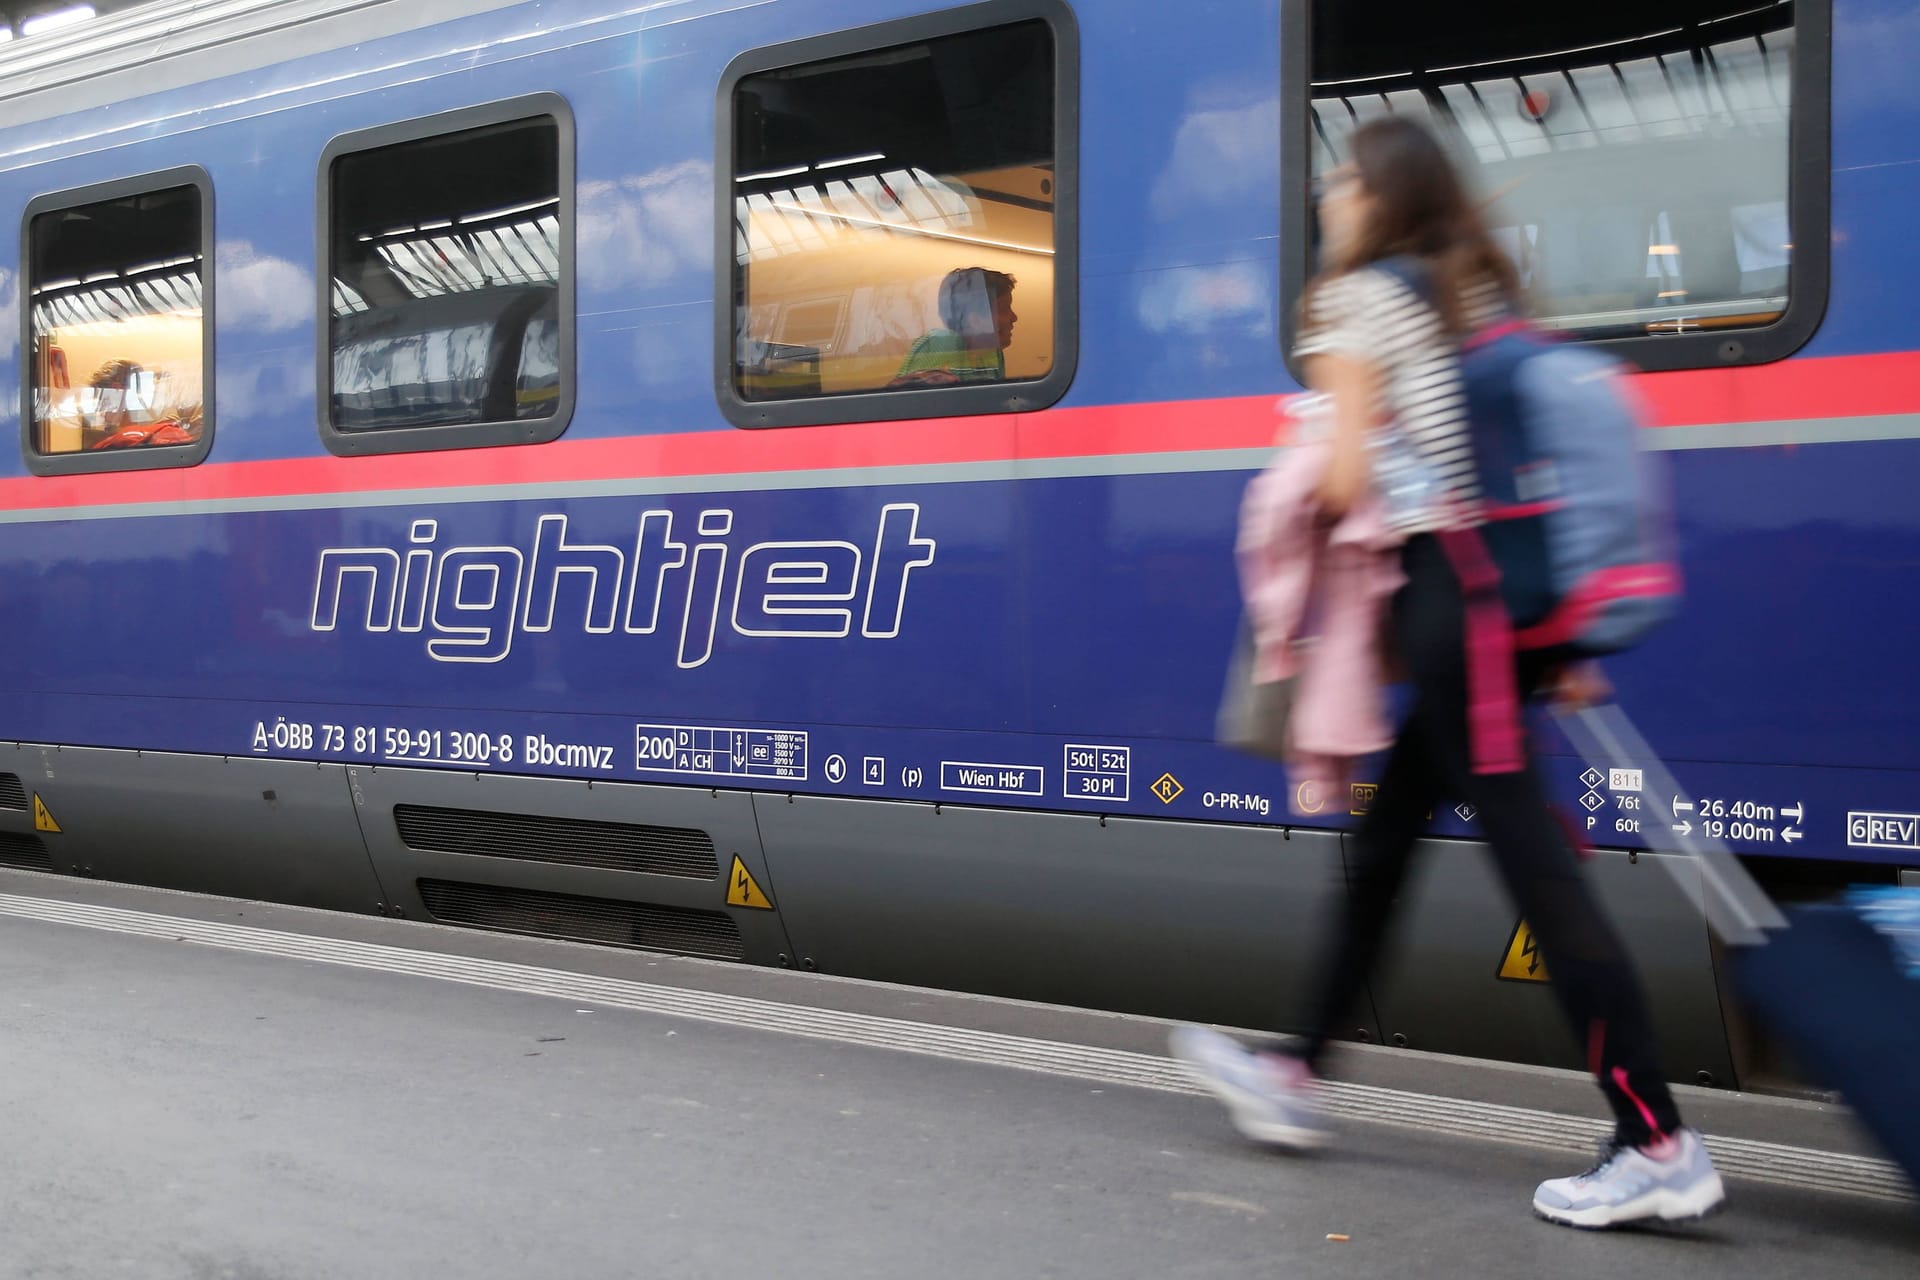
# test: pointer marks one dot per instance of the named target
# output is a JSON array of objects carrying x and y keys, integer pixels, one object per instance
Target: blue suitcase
[
  {"x": 1841, "y": 996},
  {"x": 1838, "y": 982}
]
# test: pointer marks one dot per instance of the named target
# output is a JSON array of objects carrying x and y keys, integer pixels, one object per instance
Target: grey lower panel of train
[
  {"x": 1441, "y": 990},
  {"x": 1210, "y": 922},
  {"x": 276, "y": 830}
]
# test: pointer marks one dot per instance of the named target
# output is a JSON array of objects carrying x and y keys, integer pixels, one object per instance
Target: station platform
[{"x": 208, "y": 1088}]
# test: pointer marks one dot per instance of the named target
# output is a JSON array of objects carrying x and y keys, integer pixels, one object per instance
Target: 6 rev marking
[
  {"x": 1522, "y": 961},
  {"x": 42, "y": 820},
  {"x": 742, "y": 891}
]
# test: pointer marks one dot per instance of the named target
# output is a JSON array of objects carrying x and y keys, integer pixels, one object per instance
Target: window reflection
[
  {"x": 117, "y": 324},
  {"x": 1635, "y": 156},
  {"x": 894, "y": 218},
  {"x": 446, "y": 257}
]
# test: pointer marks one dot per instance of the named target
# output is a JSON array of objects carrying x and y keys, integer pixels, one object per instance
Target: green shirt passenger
[{"x": 976, "y": 306}]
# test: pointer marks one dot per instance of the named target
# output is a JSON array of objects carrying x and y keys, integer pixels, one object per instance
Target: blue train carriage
[{"x": 759, "y": 483}]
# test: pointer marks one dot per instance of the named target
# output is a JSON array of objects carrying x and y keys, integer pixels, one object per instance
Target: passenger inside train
[
  {"x": 977, "y": 318},
  {"x": 130, "y": 419}
]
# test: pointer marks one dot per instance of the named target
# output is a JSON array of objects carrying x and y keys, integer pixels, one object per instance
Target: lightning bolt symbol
[
  {"x": 740, "y": 885},
  {"x": 1530, "y": 951}
]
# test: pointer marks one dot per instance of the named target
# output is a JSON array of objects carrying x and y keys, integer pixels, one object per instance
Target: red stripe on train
[{"x": 1840, "y": 386}]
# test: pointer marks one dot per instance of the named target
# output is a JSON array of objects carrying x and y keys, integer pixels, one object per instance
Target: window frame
[
  {"x": 470, "y": 435},
  {"x": 1809, "y": 202},
  {"x": 882, "y": 405},
  {"x": 156, "y": 458}
]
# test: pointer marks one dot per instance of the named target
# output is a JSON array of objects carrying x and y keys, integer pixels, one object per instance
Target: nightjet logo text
[{"x": 470, "y": 602}]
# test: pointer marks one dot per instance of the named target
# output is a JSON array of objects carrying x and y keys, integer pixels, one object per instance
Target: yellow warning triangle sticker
[
  {"x": 741, "y": 889},
  {"x": 1523, "y": 961},
  {"x": 42, "y": 820}
]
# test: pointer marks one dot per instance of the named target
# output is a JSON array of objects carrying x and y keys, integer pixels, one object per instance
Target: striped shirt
[{"x": 1422, "y": 455}]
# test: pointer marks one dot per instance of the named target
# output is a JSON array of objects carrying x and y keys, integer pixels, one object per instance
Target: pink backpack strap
[{"x": 1480, "y": 337}]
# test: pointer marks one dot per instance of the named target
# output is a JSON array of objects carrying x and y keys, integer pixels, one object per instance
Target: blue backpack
[{"x": 1577, "y": 515}]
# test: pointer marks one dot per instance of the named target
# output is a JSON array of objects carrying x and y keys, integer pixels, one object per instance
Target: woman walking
[{"x": 1409, "y": 271}]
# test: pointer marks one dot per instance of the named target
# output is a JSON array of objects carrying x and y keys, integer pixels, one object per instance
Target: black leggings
[{"x": 1431, "y": 761}]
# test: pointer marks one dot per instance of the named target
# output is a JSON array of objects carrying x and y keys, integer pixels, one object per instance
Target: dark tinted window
[
  {"x": 894, "y": 218},
  {"x": 117, "y": 329},
  {"x": 1635, "y": 154},
  {"x": 446, "y": 257}
]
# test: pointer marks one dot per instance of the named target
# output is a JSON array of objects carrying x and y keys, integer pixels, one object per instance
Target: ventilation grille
[
  {"x": 574, "y": 842},
  {"x": 12, "y": 794},
  {"x": 601, "y": 920},
  {"x": 29, "y": 853}
]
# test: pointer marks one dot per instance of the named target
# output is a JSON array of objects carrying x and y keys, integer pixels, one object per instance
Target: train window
[
  {"x": 447, "y": 283},
  {"x": 116, "y": 327},
  {"x": 896, "y": 219},
  {"x": 1655, "y": 167}
]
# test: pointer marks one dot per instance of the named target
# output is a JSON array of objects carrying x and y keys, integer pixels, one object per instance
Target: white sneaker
[
  {"x": 1266, "y": 1102},
  {"x": 1628, "y": 1185}
]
